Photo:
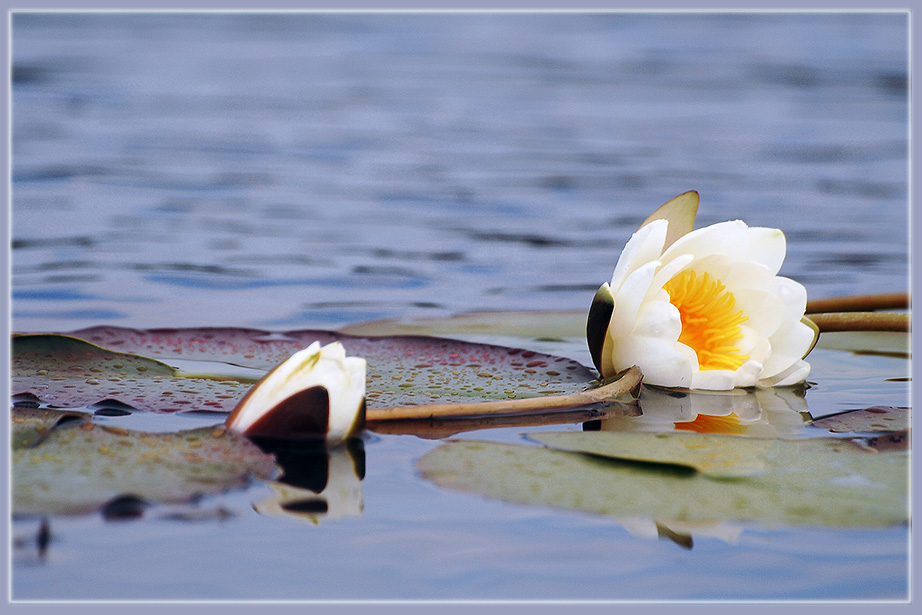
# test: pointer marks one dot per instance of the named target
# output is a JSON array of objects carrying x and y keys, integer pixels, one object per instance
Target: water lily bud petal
[
  {"x": 316, "y": 393},
  {"x": 706, "y": 312},
  {"x": 643, "y": 246}
]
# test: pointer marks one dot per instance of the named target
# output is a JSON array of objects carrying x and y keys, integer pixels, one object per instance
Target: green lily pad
[
  {"x": 713, "y": 455},
  {"x": 883, "y": 343},
  {"x": 824, "y": 483},
  {"x": 29, "y": 426},
  {"x": 402, "y": 370},
  {"x": 78, "y": 468}
]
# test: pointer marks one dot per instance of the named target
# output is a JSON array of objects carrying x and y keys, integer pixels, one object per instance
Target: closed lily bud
[{"x": 317, "y": 393}]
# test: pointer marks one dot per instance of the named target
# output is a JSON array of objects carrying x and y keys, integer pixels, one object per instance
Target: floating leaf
[
  {"x": 79, "y": 469},
  {"x": 68, "y": 372},
  {"x": 29, "y": 426},
  {"x": 876, "y": 418},
  {"x": 520, "y": 324},
  {"x": 883, "y": 343},
  {"x": 402, "y": 370},
  {"x": 803, "y": 483}
]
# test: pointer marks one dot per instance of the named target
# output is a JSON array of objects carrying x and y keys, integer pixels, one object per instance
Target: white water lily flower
[
  {"x": 317, "y": 392},
  {"x": 706, "y": 312}
]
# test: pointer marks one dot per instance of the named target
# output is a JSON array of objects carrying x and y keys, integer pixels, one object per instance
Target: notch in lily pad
[{"x": 318, "y": 393}]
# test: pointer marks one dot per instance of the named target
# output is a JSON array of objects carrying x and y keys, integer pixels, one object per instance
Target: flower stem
[
  {"x": 862, "y": 321},
  {"x": 626, "y": 384},
  {"x": 861, "y": 303}
]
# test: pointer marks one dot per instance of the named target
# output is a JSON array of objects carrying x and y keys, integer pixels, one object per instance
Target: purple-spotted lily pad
[
  {"x": 874, "y": 419},
  {"x": 79, "y": 467},
  {"x": 65, "y": 371},
  {"x": 402, "y": 370}
]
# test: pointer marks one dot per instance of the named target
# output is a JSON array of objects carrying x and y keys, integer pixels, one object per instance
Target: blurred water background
[
  {"x": 315, "y": 170},
  {"x": 320, "y": 169}
]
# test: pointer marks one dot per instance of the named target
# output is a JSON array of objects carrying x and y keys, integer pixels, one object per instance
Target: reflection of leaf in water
[
  {"x": 805, "y": 482},
  {"x": 403, "y": 370},
  {"x": 79, "y": 468}
]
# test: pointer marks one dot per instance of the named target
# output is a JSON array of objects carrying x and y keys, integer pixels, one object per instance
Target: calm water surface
[{"x": 320, "y": 170}]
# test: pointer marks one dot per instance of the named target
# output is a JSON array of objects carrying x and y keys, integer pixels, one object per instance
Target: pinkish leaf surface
[{"x": 402, "y": 370}]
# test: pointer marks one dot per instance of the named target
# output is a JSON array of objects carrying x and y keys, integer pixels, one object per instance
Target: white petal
[
  {"x": 661, "y": 362},
  {"x": 670, "y": 270},
  {"x": 644, "y": 246},
  {"x": 795, "y": 374},
  {"x": 789, "y": 346},
  {"x": 722, "y": 238},
  {"x": 753, "y": 344},
  {"x": 764, "y": 311},
  {"x": 659, "y": 319},
  {"x": 766, "y": 246},
  {"x": 712, "y": 380},
  {"x": 794, "y": 296},
  {"x": 716, "y": 265},
  {"x": 747, "y": 374},
  {"x": 748, "y": 274},
  {"x": 629, "y": 297}
]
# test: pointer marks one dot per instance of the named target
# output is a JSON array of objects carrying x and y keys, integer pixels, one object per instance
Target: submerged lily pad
[
  {"x": 801, "y": 483},
  {"x": 402, "y": 370},
  {"x": 79, "y": 468}
]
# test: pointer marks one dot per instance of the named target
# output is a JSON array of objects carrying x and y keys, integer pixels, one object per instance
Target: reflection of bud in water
[
  {"x": 317, "y": 482},
  {"x": 682, "y": 532},
  {"x": 769, "y": 413},
  {"x": 317, "y": 392}
]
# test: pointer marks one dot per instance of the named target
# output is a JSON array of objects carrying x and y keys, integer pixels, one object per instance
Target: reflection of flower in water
[
  {"x": 766, "y": 413},
  {"x": 318, "y": 484},
  {"x": 769, "y": 413}
]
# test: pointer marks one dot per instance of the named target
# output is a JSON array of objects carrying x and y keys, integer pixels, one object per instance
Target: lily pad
[
  {"x": 824, "y": 483},
  {"x": 874, "y": 419},
  {"x": 29, "y": 426},
  {"x": 80, "y": 468},
  {"x": 402, "y": 370},
  {"x": 65, "y": 371},
  {"x": 714, "y": 455}
]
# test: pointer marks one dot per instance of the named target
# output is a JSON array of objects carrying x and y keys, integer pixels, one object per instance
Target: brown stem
[
  {"x": 862, "y": 321},
  {"x": 861, "y": 303},
  {"x": 627, "y": 383}
]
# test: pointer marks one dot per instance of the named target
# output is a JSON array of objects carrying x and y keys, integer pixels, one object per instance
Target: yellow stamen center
[{"x": 710, "y": 320}]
